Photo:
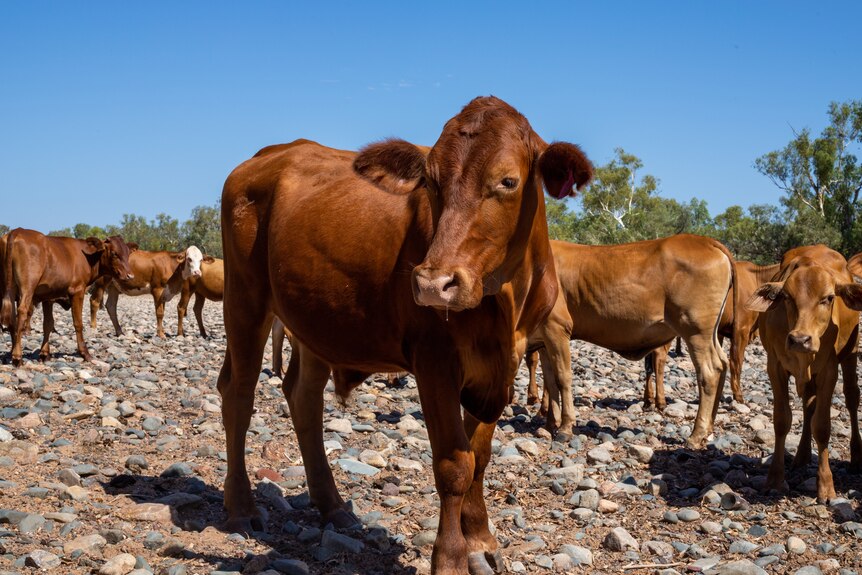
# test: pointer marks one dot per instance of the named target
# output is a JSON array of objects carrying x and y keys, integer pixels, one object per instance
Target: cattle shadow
[
  {"x": 689, "y": 474},
  {"x": 293, "y": 531}
]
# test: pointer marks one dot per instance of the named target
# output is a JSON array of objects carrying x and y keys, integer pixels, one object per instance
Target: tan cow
[
  {"x": 809, "y": 325},
  {"x": 632, "y": 298},
  {"x": 740, "y": 326},
  {"x": 156, "y": 273},
  {"x": 40, "y": 268},
  {"x": 203, "y": 276}
]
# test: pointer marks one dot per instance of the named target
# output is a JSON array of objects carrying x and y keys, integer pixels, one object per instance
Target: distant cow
[
  {"x": 159, "y": 274},
  {"x": 40, "y": 268},
  {"x": 394, "y": 258},
  {"x": 740, "y": 324},
  {"x": 632, "y": 298},
  {"x": 203, "y": 276},
  {"x": 809, "y": 325}
]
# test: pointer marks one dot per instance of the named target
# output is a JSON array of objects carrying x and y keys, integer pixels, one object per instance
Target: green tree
[
  {"x": 167, "y": 233},
  {"x": 759, "y": 236},
  {"x": 4, "y": 229},
  {"x": 822, "y": 178},
  {"x": 203, "y": 230}
]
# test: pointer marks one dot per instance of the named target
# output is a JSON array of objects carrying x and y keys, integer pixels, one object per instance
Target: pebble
[
  {"x": 618, "y": 539},
  {"x": 120, "y": 564}
]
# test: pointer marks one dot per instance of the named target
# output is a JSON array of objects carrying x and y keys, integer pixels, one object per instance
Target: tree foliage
[{"x": 164, "y": 232}]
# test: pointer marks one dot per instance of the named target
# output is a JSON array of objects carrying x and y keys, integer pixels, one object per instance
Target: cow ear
[
  {"x": 180, "y": 257},
  {"x": 564, "y": 166},
  {"x": 94, "y": 245},
  {"x": 133, "y": 247},
  {"x": 209, "y": 259},
  {"x": 395, "y": 166},
  {"x": 854, "y": 264},
  {"x": 765, "y": 297},
  {"x": 851, "y": 294}
]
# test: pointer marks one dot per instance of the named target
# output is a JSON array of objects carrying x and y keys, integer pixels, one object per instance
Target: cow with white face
[{"x": 194, "y": 258}]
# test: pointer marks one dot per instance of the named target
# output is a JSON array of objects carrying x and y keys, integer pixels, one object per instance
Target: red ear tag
[{"x": 566, "y": 189}]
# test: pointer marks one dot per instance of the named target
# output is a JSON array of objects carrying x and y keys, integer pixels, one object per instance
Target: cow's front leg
[
  {"x": 454, "y": 462},
  {"x": 483, "y": 555},
  {"x": 78, "y": 321},
  {"x": 47, "y": 329}
]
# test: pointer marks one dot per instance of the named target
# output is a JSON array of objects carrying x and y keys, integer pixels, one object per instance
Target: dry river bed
[{"x": 117, "y": 467}]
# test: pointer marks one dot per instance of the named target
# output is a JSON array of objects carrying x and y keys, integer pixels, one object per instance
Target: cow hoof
[
  {"x": 244, "y": 525},
  {"x": 342, "y": 519},
  {"x": 563, "y": 436},
  {"x": 485, "y": 562}
]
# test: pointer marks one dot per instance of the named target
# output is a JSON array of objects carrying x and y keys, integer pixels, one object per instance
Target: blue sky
[{"x": 118, "y": 107}]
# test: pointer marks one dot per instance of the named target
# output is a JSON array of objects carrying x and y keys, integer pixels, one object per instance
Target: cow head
[
  {"x": 484, "y": 180},
  {"x": 807, "y": 292},
  {"x": 113, "y": 255},
  {"x": 192, "y": 258}
]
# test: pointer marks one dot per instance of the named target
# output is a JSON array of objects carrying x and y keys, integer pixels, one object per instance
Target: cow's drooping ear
[
  {"x": 208, "y": 259},
  {"x": 563, "y": 167},
  {"x": 180, "y": 257},
  {"x": 765, "y": 297},
  {"x": 133, "y": 247},
  {"x": 851, "y": 294},
  {"x": 395, "y": 166},
  {"x": 94, "y": 245}
]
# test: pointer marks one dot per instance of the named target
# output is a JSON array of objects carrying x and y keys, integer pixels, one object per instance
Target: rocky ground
[{"x": 117, "y": 467}]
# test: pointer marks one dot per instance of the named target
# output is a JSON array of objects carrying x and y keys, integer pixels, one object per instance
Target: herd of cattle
[{"x": 437, "y": 261}]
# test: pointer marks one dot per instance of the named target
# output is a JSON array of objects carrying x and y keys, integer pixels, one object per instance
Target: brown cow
[
  {"x": 740, "y": 326},
  {"x": 203, "y": 277},
  {"x": 40, "y": 268},
  {"x": 632, "y": 298},
  {"x": 156, "y": 273},
  {"x": 808, "y": 332},
  {"x": 399, "y": 257}
]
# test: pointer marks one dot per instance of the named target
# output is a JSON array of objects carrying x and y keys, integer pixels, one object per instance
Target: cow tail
[
  {"x": 7, "y": 310},
  {"x": 733, "y": 291}
]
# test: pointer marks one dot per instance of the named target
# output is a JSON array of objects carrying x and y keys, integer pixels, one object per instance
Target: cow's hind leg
[
  {"x": 111, "y": 306},
  {"x": 47, "y": 328},
  {"x": 483, "y": 556},
  {"x": 303, "y": 388},
  {"x": 710, "y": 364},
  {"x": 531, "y": 359},
  {"x": 246, "y": 323},
  {"x": 199, "y": 313},
  {"x": 851, "y": 397}
]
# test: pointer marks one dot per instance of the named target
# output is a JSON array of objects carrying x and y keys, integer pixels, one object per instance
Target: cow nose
[
  {"x": 196, "y": 273},
  {"x": 798, "y": 341},
  {"x": 435, "y": 289}
]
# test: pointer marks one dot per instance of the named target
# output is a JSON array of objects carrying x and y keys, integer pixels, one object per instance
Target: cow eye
[
  {"x": 508, "y": 184},
  {"x": 827, "y": 300}
]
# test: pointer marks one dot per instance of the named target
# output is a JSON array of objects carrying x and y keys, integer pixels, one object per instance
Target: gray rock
[
  {"x": 740, "y": 567},
  {"x": 290, "y": 566},
  {"x": 424, "y": 538},
  {"x": 43, "y": 560},
  {"x": 796, "y": 545},
  {"x": 137, "y": 462},
  {"x": 118, "y": 565},
  {"x": 743, "y": 547},
  {"x": 88, "y": 544},
  {"x": 178, "y": 470},
  {"x": 618, "y": 539},
  {"x": 688, "y": 515},
  {"x": 340, "y": 543},
  {"x": 357, "y": 467},
  {"x": 579, "y": 555}
]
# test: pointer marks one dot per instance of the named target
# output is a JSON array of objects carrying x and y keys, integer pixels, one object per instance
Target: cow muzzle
[
  {"x": 449, "y": 290},
  {"x": 801, "y": 342}
]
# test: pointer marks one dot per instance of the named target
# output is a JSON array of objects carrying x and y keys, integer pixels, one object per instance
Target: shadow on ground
[{"x": 292, "y": 534}]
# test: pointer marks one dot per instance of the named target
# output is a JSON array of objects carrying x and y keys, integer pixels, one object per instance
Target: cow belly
[
  {"x": 168, "y": 293},
  {"x": 143, "y": 290}
]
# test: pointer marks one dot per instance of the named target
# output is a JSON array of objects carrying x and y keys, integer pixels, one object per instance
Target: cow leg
[
  {"x": 807, "y": 392},
  {"x": 660, "y": 363},
  {"x": 736, "y": 357},
  {"x": 21, "y": 320},
  {"x": 303, "y": 387},
  {"x": 557, "y": 370},
  {"x": 851, "y": 397},
  {"x": 160, "y": 311},
  {"x": 78, "y": 321},
  {"x": 782, "y": 417},
  {"x": 95, "y": 303},
  {"x": 199, "y": 313},
  {"x": 551, "y": 396},
  {"x": 182, "y": 306},
  {"x": 236, "y": 383},
  {"x": 821, "y": 427},
  {"x": 47, "y": 328},
  {"x": 111, "y": 306},
  {"x": 649, "y": 370},
  {"x": 483, "y": 556},
  {"x": 710, "y": 365},
  {"x": 277, "y": 347},
  {"x": 454, "y": 461},
  {"x": 532, "y": 360}
]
